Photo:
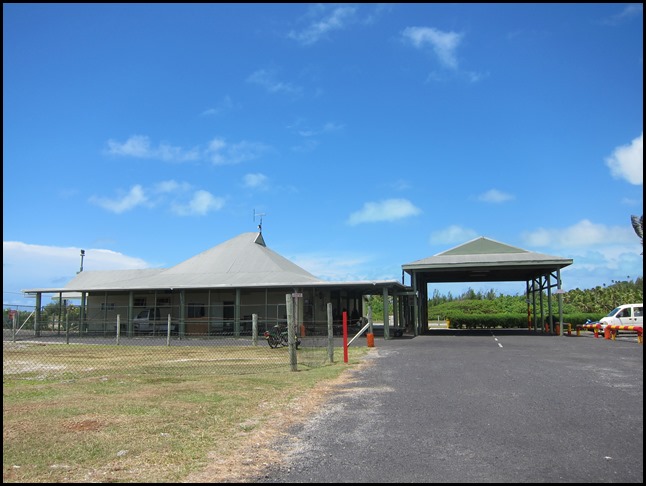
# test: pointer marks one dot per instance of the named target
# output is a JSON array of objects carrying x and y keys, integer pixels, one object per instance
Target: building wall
[{"x": 206, "y": 312}]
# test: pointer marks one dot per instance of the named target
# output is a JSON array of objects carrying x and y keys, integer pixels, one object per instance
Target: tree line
[{"x": 596, "y": 302}]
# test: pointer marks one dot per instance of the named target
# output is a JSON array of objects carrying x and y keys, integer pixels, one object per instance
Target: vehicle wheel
[{"x": 273, "y": 342}]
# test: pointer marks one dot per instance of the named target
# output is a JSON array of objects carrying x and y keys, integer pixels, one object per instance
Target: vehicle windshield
[
  {"x": 613, "y": 312},
  {"x": 142, "y": 314}
]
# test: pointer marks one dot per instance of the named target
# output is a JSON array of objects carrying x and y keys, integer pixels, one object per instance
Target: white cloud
[
  {"x": 582, "y": 234},
  {"x": 602, "y": 266},
  {"x": 327, "y": 128},
  {"x": 443, "y": 44},
  {"x": 135, "y": 197},
  {"x": 332, "y": 267},
  {"x": 166, "y": 193},
  {"x": 388, "y": 210},
  {"x": 202, "y": 203},
  {"x": 219, "y": 152},
  {"x": 28, "y": 266},
  {"x": 452, "y": 234},
  {"x": 255, "y": 181},
  {"x": 171, "y": 186},
  {"x": 337, "y": 19},
  {"x": 139, "y": 146},
  {"x": 627, "y": 161},
  {"x": 267, "y": 80},
  {"x": 225, "y": 105},
  {"x": 307, "y": 145},
  {"x": 629, "y": 12},
  {"x": 495, "y": 196}
]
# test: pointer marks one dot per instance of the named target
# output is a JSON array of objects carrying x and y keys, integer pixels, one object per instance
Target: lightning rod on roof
[{"x": 260, "y": 215}]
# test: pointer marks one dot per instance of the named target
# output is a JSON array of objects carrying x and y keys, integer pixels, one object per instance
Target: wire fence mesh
[{"x": 67, "y": 344}]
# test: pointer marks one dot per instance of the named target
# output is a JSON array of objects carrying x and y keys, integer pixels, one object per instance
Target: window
[
  {"x": 195, "y": 310},
  {"x": 107, "y": 306},
  {"x": 139, "y": 301},
  {"x": 163, "y": 301}
]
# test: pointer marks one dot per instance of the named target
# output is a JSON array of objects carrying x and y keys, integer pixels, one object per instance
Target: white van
[{"x": 624, "y": 315}]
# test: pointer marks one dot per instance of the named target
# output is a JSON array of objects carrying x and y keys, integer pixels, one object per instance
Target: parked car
[
  {"x": 151, "y": 321},
  {"x": 624, "y": 315}
]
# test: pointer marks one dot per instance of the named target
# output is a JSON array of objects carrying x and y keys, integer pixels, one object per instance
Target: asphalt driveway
[{"x": 485, "y": 407}]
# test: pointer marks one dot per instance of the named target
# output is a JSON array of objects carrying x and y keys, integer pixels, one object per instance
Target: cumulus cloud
[
  {"x": 495, "y": 196},
  {"x": 255, "y": 181},
  {"x": 388, "y": 210},
  {"x": 135, "y": 197},
  {"x": 627, "y": 161},
  {"x": 324, "y": 22},
  {"x": 443, "y": 44},
  {"x": 582, "y": 234},
  {"x": 170, "y": 193},
  {"x": 202, "y": 203}
]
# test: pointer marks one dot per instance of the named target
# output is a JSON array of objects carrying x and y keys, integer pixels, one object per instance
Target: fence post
[
  {"x": 330, "y": 333},
  {"x": 13, "y": 319},
  {"x": 290, "y": 332},
  {"x": 118, "y": 327},
  {"x": 254, "y": 329},
  {"x": 168, "y": 328}
]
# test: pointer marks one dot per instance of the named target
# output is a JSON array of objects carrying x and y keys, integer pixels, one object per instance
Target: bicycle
[{"x": 278, "y": 338}]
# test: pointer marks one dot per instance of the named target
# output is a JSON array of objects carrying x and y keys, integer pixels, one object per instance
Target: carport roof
[{"x": 485, "y": 260}]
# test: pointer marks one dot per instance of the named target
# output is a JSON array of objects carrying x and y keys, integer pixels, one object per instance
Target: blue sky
[{"x": 368, "y": 136}]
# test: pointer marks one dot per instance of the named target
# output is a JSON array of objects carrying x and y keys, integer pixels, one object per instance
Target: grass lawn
[{"x": 80, "y": 415}]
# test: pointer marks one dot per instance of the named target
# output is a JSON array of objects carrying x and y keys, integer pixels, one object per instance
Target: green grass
[{"x": 107, "y": 414}]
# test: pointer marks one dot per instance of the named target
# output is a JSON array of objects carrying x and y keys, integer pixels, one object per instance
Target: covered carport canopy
[{"x": 486, "y": 260}]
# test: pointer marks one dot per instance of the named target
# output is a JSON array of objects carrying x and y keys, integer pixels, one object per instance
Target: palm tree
[{"x": 638, "y": 226}]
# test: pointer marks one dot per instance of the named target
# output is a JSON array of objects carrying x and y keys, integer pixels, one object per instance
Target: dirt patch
[{"x": 256, "y": 454}]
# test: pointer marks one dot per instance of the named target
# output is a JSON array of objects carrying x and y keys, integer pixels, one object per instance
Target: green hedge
[{"x": 510, "y": 321}]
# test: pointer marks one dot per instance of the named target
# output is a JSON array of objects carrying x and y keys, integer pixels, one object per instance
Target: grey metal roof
[
  {"x": 243, "y": 261},
  {"x": 485, "y": 260}
]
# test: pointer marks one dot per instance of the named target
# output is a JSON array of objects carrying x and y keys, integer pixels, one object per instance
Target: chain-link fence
[{"x": 64, "y": 341}]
